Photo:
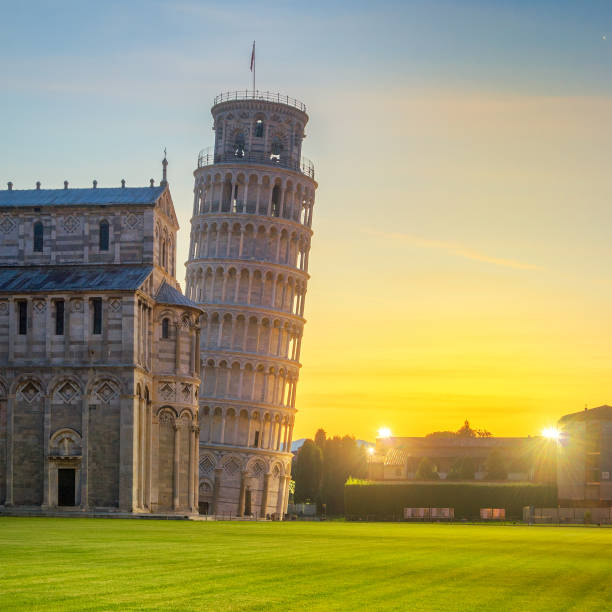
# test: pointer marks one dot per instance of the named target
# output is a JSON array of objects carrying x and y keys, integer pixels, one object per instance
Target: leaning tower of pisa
[{"x": 248, "y": 268}]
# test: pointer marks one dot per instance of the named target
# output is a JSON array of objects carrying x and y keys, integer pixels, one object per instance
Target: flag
[{"x": 253, "y": 57}]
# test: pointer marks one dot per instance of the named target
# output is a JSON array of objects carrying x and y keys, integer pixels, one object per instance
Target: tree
[
  {"x": 464, "y": 468},
  {"x": 308, "y": 471},
  {"x": 465, "y": 431},
  {"x": 320, "y": 438},
  {"x": 427, "y": 470},
  {"x": 342, "y": 458},
  {"x": 495, "y": 467}
]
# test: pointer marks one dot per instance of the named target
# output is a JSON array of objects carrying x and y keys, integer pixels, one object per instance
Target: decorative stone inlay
[
  {"x": 7, "y": 224},
  {"x": 40, "y": 306},
  {"x": 258, "y": 468},
  {"x": 186, "y": 322},
  {"x": 231, "y": 466},
  {"x": 115, "y": 304},
  {"x": 165, "y": 418},
  {"x": 207, "y": 465},
  {"x": 67, "y": 391},
  {"x": 166, "y": 390},
  {"x": 77, "y": 305},
  {"x": 29, "y": 392},
  {"x": 3, "y": 308},
  {"x": 132, "y": 221},
  {"x": 106, "y": 391},
  {"x": 186, "y": 391},
  {"x": 71, "y": 224}
]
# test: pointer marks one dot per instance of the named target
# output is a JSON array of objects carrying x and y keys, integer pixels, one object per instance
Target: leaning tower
[{"x": 248, "y": 269}]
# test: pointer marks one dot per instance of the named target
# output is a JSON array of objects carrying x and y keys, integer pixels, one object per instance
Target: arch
[{"x": 65, "y": 442}]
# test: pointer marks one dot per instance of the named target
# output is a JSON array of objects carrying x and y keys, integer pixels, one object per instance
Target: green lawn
[{"x": 102, "y": 564}]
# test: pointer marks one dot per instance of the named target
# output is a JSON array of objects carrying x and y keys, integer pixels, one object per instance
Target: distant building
[
  {"x": 585, "y": 458},
  {"x": 99, "y": 354},
  {"x": 524, "y": 459}
]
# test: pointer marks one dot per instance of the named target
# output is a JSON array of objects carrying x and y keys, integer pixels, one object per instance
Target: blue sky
[{"x": 463, "y": 153}]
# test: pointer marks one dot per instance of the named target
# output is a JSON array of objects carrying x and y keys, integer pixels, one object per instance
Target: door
[
  {"x": 247, "y": 502},
  {"x": 66, "y": 487},
  {"x": 203, "y": 507}
]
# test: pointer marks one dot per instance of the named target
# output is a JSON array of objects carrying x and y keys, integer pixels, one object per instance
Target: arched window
[
  {"x": 239, "y": 146},
  {"x": 276, "y": 201},
  {"x": 103, "y": 240},
  {"x": 259, "y": 128},
  {"x": 38, "y": 237},
  {"x": 164, "y": 253},
  {"x": 275, "y": 151},
  {"x": 165, "y": 328}
]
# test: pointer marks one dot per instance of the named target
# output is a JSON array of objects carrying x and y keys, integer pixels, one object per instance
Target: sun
[
  {"x": 552, "y": 433},
  {"x": 384, "y": 432}
]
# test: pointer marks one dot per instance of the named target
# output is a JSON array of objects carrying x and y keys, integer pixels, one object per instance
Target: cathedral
[
  {"x": 117, "y": 392},
  {"x": 99, "y": 354}
]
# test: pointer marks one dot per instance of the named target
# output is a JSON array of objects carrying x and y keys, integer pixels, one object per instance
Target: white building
[{"x": 248, "y": 269}]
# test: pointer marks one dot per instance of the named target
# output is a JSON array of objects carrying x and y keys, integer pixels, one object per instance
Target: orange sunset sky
[{"x": 461, "y": 254}]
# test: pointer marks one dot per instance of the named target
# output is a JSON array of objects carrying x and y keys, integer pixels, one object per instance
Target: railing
[
  {"x": 207, "y": 157},
  {"x": 267, "y": 96}
]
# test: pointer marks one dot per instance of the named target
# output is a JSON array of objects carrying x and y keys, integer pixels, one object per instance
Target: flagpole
[{"x": 253, "y": 68}]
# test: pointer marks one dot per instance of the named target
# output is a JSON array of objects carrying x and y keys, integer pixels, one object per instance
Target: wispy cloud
[{"x": 456, "y": 249}]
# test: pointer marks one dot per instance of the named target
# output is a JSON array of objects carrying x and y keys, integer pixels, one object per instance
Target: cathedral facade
[
  {"x": 99, "y": 354},
  {"x": 248, "y": 269}
]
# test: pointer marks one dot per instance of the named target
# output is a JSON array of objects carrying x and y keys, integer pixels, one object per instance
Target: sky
[{"x": 460, "y": 264}]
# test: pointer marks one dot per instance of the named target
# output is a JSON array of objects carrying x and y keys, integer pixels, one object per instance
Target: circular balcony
[
  {"x": 266, "y": 96},
  {"x": 207, "y": 157}
]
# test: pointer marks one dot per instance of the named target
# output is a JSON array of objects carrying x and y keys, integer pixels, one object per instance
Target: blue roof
[
  {"x": 81, "y": 197},
  {"x": 169, "y": 295},
  {"x": 72, "y": 278}
]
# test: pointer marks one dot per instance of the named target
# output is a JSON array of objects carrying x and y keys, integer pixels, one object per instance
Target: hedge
[{"x": 385, "y": 501}]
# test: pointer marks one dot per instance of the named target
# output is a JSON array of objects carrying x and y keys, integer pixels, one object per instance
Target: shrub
[{"x": 384, "y": 501}]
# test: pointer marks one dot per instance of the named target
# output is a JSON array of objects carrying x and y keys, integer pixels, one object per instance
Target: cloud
[{"x": 456, "y": 249}]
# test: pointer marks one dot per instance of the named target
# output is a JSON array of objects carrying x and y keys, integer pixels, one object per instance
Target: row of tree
[{"x": 321, "y": 468}]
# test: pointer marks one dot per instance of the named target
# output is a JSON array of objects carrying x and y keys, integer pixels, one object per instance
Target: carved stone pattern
[
  {"x": 186, "y": 390},
  {"x": 165, "y": 418},
  {"x": 166, "y": 390},
  {"x": 115, "y": 305},
  {"x": 207, "y": 465},
  {"x": 106, "y": 391},
  {"x": 3, "y": 308},
  {"x": 231, "y": 466},
  {"x": 258, "y": 468},
  {"x": 77, "y": 305},
  {"x": 71, "y": 224},
  {"x": 29, "y": 392},
  {"x": 186, "y": 322},
  {"x": 132, "y": 221},
  {"x": 7, "y": 224},
  {"x": 67, "y": 391},
  {"x": 40, "y": 306}
]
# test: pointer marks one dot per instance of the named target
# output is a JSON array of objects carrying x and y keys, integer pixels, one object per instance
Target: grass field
[{"x": 102, "y": 564}]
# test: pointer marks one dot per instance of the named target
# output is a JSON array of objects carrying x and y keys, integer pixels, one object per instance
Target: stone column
[
  {"x": 46, "y": 434},
  {"x": 264, "y": 495},
  {"x": 286, "y": 500},
  {"x": 142, "y": 456},
  {"x": 192, "y": 446},
  {"x": 216, "y": 488},
  {"x": 84, "y": 451},
  {"x": 175, "y": 480},
  {"x": 241, "y": 498},
  {"x": 282, "y": 483},
  {"x": 10, "y": 407}
]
